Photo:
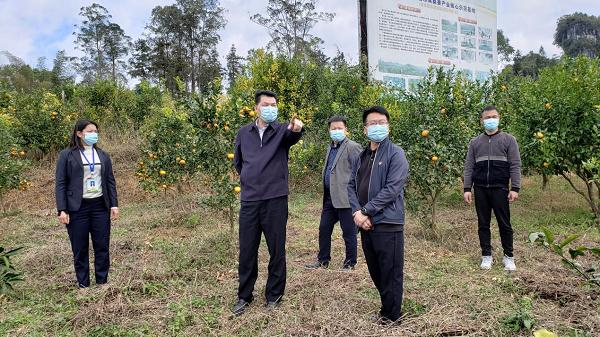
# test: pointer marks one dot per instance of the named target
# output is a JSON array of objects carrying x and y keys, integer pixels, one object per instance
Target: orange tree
[
  {"x": 12, "y": 162},
  {"x": 568, "y": 134},
  {"x": 524, "y": 114},
  {"x": 169, "y": 151},
  {"x": 437, "y": 121},
  {"x": 41, "y": 123},
  {"x": 216, "y": 119}
]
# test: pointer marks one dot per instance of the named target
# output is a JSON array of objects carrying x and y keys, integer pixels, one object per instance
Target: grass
[{"x": 174, "y": 273}]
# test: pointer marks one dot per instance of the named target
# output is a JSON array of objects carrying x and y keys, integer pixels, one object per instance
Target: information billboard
[{"x": 406, "y": 37}]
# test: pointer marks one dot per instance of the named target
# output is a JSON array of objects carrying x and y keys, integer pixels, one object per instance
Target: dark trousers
[
  {"x": 384, "y": 252},
  {"x": 268, "y": 217},
  {"x": 329, "y": 217},
  {"x": 486, "y": 200},
  {"x": 92, "y": 218}
]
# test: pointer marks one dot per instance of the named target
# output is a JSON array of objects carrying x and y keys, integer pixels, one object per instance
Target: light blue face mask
[
  {"x": 268, "y": 113},
  {"x": 491, "y": 124},
  {"x": 377, "y": 133},
  {"x": 337, "y": 135},
  {"x": 90, "y": 138}
]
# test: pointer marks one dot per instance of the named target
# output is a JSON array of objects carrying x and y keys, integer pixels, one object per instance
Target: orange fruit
[
  {"x": 434, "y": 158},
  {"x": 162, "y": 172},
  {"x": 424, "y": 133},
  {"x": 237, "y": 189},
  {"x": 230, "y": 156}
]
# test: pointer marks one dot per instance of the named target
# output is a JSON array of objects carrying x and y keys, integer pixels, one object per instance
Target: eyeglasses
[{"x": 378, "y": 122}]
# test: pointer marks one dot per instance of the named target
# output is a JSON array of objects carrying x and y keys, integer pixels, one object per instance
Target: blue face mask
[
  {"x": 90, "y": 138},
  {"x": 337, "y": 135},
  {"x": 491, "y": 124},
  {"x": 268, "y": 113},
  {"x": 377, "y": 133}
]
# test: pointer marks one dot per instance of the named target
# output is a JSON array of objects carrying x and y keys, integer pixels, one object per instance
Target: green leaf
[
  {"x": 6, "y": 261},
  {"x": 548, "y": 234},
  {"x": 580, "y": 251},
  {"x": 568, "y": 240},
  {"x": 13, "y": 252},
  {"x": 595, "y": 251},
  {"x": 528, "y": 323},
  {"x": 568, "y": 265}
]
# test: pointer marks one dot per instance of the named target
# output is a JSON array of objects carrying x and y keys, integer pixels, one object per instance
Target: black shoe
[
  {"x": 273, "y": 304},
  {"x": 239, "y": 307},
  {"x": 317, "y": 265},
  {"x": 388, "y": 322},
  {"x": 381, "y": 320},
  {"x": 348, "y": 267}
]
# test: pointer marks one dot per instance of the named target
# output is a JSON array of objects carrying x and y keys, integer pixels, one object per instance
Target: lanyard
[{"x": 93, "y": 160}]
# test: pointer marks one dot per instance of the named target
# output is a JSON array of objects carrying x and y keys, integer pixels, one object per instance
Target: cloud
[{"x": 34, "y": 28}]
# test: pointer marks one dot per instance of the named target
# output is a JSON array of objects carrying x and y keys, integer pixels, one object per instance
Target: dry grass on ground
[{"x": 174, "y": 272}]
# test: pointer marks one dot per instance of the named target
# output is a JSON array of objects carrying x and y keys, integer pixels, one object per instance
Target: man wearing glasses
[{"x": 376, "y": 193}]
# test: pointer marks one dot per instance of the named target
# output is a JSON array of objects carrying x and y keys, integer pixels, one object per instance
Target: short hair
[
  {"x": 488, "y": 108},
  {"x": 337, "y": 118},
  {"x": 377, "y": 109},
  {"x": 259, "y": 93}
]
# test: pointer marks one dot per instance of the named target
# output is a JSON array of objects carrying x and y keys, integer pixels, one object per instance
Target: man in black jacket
[
  {"x": 261, "y": 159},
  {"x": 376, "y": 193},
  {"x": 493, "y": 162}
]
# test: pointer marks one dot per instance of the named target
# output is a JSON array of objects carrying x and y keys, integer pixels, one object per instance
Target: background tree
[
  {"x": 531, "y": 64},
  {"x": 140, "y": 63},
  {"x": 117, "y": 46},
  {"x": 181, "y": 44},
  {"x": 62, "y": 69},
  {"x": 578, "y": 34},
  {"x": 234, "y": 65},
  {"x": 289, "y": 23},
  {"x": 505, "y": 50},
  {"x": 90, "y": 39}
]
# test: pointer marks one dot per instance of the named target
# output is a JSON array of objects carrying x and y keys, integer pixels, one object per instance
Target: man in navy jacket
[
  {"x": 376, "y": 193},
  {"x": 261, "y": 159}
]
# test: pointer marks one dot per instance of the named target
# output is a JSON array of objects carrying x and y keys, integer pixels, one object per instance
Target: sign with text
[{"x": 406, "y": 37}]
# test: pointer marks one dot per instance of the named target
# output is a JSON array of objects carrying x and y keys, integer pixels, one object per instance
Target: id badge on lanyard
[{"x": 91, "y": 181}]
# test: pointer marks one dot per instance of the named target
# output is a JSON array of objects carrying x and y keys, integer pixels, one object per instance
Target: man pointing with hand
[{"x": 261, "y": 159}]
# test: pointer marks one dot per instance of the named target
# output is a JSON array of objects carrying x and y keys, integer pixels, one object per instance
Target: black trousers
[
  {"x": 329, "y": 217},
  {"x": 384, "y": 252},
  {"x": 496, "y": 199},
  {"x": 268, "y": 217},
  {"x": 92, "y": 218}
]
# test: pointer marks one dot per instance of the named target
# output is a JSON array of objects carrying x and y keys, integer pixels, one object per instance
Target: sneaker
[
  {"x": 509, "y": 263},
  {"x": 486, "y": 262},
  {"x": 239, "y": 307},
  {"x": 317, "y": 265}
]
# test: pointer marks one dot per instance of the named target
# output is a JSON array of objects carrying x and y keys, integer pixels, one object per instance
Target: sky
[{"x": 31, "y": 29}]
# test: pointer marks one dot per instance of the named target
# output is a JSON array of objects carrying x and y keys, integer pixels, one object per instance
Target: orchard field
[{"x": 174, "y": 249}]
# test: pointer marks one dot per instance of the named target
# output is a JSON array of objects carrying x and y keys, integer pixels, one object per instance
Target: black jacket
[
  {"x": 493, "y": 161},
  {"x": 386, "y": 186},
  {"x": 263, "y": 165},
  {"x": 69, "y": 180}
]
